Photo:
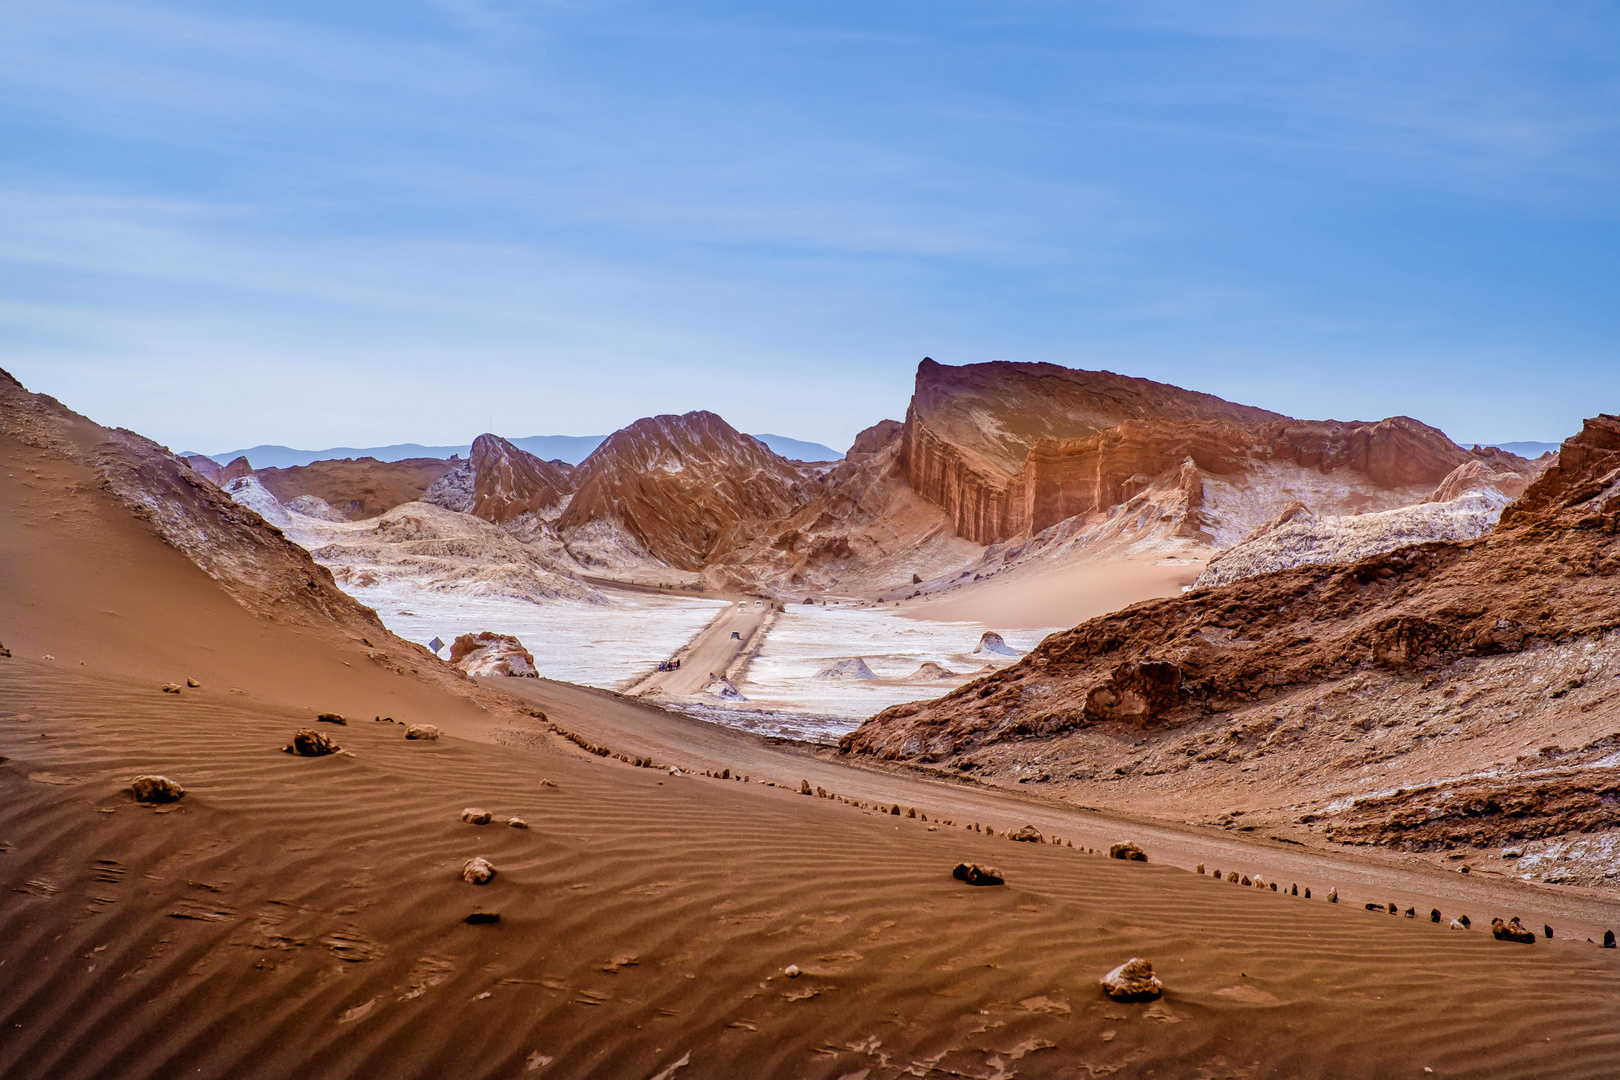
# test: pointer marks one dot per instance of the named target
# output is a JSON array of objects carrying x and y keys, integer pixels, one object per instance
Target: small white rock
[{"x": 792, "y": 971}]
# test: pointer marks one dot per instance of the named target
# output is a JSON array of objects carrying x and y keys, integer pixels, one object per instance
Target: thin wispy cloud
[{"x": 1388, "y": 199}]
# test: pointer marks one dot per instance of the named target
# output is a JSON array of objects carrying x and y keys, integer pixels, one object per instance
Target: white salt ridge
[
  {"x": 249, "y": 492},
  {"x": 1312, "y": 541}
]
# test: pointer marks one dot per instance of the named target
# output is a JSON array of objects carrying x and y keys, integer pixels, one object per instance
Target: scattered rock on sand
[
  {"x": 1029, "y": 834},
  {"x": 171, "y": 688},
  {"x": 974, "y": 874},
  {"x": 804, "y": 788},
  {"x": 483, "y": 918},
  {"x": 1512, "y": 931},
  {"x": 1133, "y": 981},
  {"x": 475, "y": 816},
  {"x": 478, "y": 871},
  {"x": 308, "y": 742},
  {"x": 929, "y": 671},
  {"x": 422, "y": 732},
  {"x": 332, "y": 718},
  {"x": 1130, "y": 851},
  {"x": 193, "y": 683},
  {"x": 1333, "y": 895},
  {"x": 792, "y": 971},
  {"x": 1458, "y": 924},
  {"x": 517, "y": 823},
  {"x": 1434, "y": 915},
  {"x": 155, "y": 789},
  {"x": 1608, "y": 939}
]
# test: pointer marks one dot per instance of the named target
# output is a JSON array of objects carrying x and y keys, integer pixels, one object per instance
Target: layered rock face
[
  {"x": 1324, "y": 673},
  {"x": 677, "y": 488},
  {"x": 500, "y": 483},
  {"x": 969, "y": 431},
  {"x": 357, "y": 488},
  {"x": 1010, "y": 450}
]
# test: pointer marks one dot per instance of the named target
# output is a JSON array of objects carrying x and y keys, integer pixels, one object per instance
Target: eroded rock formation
[
  {"x": 500, "y": 483},
  {"x": 1279, "y": 664},
  {"x": 1010, "y": 450},
  {"x": 677, "y": 488},
  {"x": 485, "y": 653}
]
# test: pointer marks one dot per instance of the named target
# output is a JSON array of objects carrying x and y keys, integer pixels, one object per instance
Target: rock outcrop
[
  {"x": 214, "y": 471},
  {"x": 676, "y": 488},
  {"x": 485, "y": 653},
  {"x": 500, "y": 483},
  {"x": 880, "y": 435},
  {"x": 156, "y": 789},
  {"x": 1133, "y": 981}
]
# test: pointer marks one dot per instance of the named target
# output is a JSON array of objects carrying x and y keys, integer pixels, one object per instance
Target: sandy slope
[
  {"x": 1066, "y": 596},
  {"x": 305, "y": 917}
]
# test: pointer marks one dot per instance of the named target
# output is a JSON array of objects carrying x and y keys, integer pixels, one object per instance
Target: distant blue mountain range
[
  {"x": 570, "y": 448},
  {"x": 1527, "y": 449}
]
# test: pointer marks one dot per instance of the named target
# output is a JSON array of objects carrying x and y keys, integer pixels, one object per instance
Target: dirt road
[
  {"x": 709, "y": 653},
  {"x": 1373, "y": 877}
]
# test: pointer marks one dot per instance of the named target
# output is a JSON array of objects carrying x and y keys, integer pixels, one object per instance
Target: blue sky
[{"x": 318, "y": 224}]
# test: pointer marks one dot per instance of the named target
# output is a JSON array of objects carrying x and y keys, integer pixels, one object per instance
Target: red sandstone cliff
[{"x": 1008, "y": 450}]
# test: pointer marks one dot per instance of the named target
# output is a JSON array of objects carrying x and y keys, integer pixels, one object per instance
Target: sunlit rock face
[{"x": 675, "y": 487}]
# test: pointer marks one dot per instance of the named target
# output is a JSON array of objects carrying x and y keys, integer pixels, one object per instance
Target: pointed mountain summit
[
  {"x": 500, "y": 482},
  {"x": 672, "y": 486}
]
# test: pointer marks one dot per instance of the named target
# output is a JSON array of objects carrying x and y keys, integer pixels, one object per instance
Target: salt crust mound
[
  {"x": 247, "y": 491},
  {"x": 1300, "y": 538},
  {"x": 854, "y": 668},
  {"x": 994, "y": 643},
  {"x": 431, "y": 548},
  {"x": 313, "y": 506}
]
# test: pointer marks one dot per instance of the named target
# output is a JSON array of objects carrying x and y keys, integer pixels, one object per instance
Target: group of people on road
[{"x": 669, "y": 665}]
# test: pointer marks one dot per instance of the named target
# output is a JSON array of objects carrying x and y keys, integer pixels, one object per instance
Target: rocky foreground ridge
[{"x": 1410, "y": 667}]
